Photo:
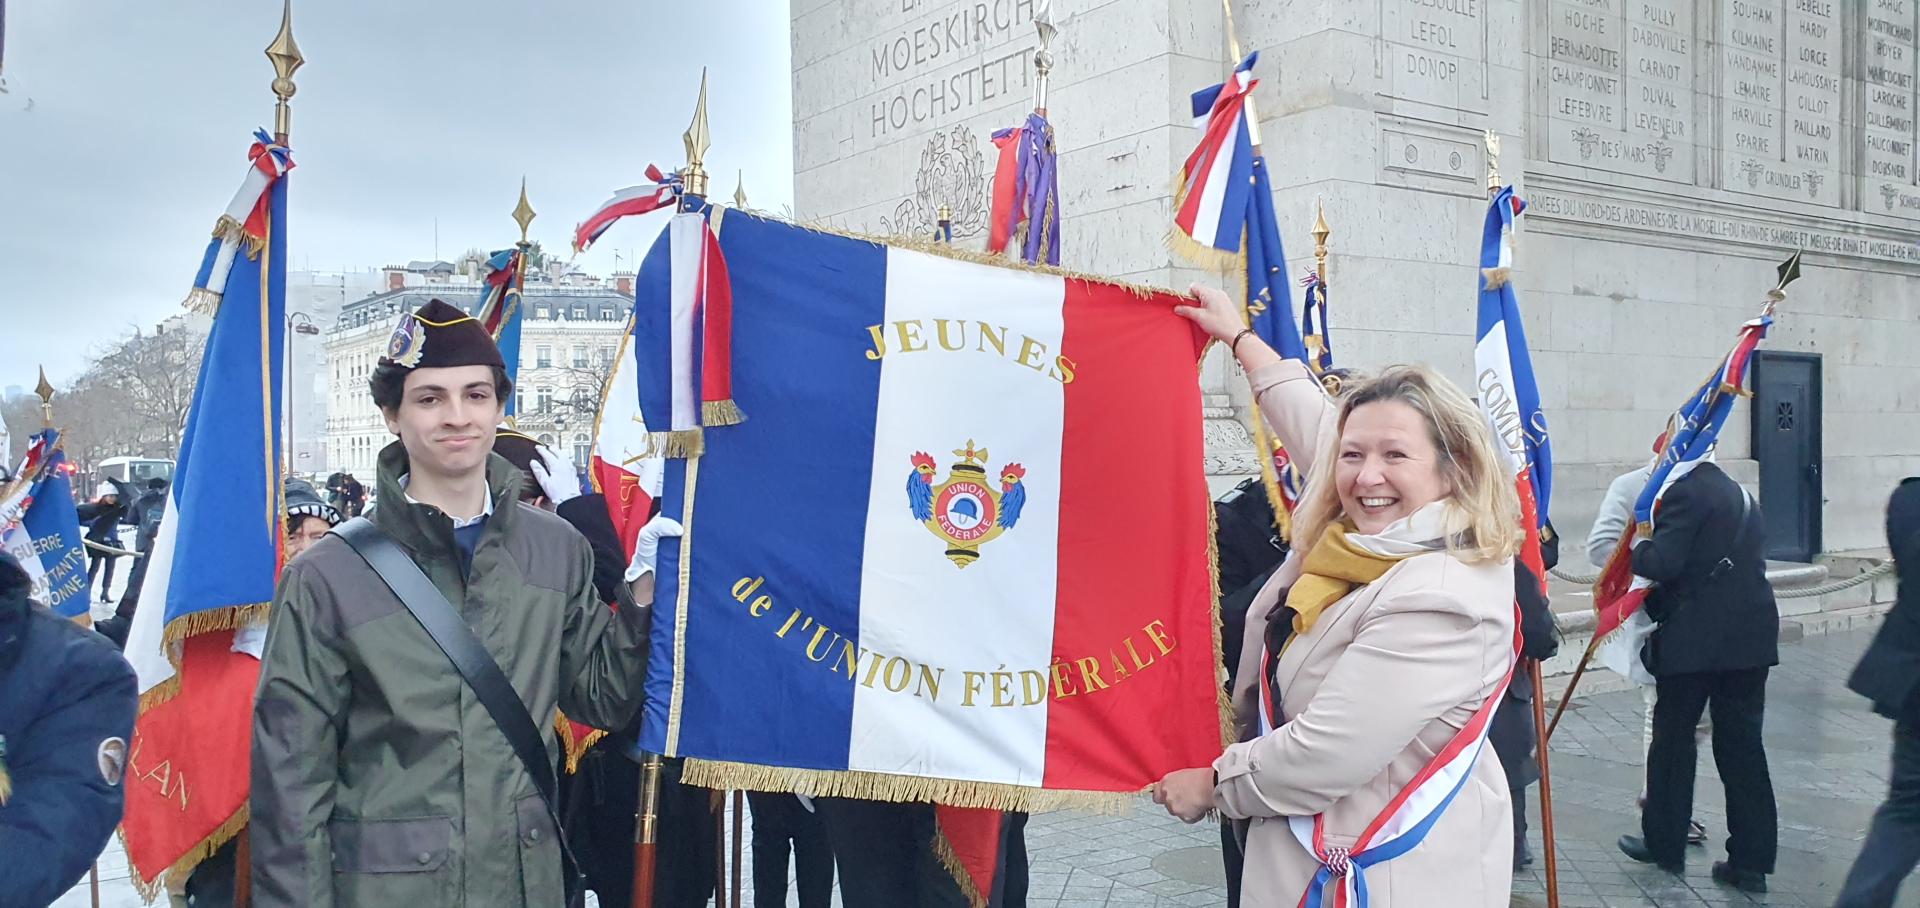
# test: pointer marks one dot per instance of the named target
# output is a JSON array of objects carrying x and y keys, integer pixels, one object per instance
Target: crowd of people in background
[{"x": 1380, "y": 640}]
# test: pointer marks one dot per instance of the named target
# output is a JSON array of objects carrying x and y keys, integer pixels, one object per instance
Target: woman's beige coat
[{"x": 1370, "y": 693}]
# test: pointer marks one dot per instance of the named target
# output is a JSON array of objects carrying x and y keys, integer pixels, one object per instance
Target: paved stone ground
[{"x": 1827, "y": 752}]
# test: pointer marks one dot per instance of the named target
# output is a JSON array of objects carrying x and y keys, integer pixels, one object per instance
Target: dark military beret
[{"x": 440, "y": 335}]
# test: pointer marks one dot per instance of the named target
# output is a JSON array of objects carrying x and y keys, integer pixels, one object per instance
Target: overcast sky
[{"x": 125, "y": 129}]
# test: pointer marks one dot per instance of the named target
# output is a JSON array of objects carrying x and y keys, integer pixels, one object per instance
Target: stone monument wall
[{"x": 1673, "y": 151}]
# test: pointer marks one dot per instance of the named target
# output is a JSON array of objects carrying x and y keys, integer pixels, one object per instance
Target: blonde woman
[{"x": 1375, "y": 653}]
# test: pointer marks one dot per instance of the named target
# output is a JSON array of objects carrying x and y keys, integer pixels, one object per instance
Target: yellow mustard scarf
[{"x": 1334, "y": 567}]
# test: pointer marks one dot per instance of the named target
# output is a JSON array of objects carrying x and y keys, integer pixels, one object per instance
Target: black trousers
[
  {"x": 1519, "y": 798},
  {"x": 93, "y": 568},
  {"x": 1233, "y": 856},
  {"x": 1738, "y": 701},
  {"x": 885, "y": 854},
  {"x": 601, "y": 800},
  {"x": 1892, "y": 847},
  {"x": 782, "y": 824}
]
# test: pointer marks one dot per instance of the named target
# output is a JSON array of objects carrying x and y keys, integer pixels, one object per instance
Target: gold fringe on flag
[
  {"x": 149, "y": 889},
  {"x": 6, "y": 785},
  {"x": 950, "y": 859},
  {"x": 193, "y": 625},
  {"x": 877, "y": 786},
  {"x": 203, "y": 301},
  {"x": 1228, "y": 730},
  {"x": 572, "y": 748},
  {"x": 1496, "y": 277},
  {"x": 721, "y": 413},
  {"x": 679, "y": 445}
]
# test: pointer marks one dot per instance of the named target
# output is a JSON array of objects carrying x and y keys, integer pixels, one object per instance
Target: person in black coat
[
  {"x": 1512, "y": 733},
  {"x": 102, "y": 517},
  {"x": 1717, "y": 635},
  {"x": 1250, "y": 550},
  {"x": 147, "y": 512},
  {"x": 1889, "y": 675},
  {"x": 65, "y": 717}
]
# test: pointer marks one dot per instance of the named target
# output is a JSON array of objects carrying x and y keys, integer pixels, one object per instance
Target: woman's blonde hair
[{"x": 1484, "y": 524}]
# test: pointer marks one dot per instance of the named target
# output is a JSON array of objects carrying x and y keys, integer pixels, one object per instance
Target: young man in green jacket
[{"x": 378, "y": 778}]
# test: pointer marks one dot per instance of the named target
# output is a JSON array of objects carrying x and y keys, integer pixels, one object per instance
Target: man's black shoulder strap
[{"x": 469, "y": 657}]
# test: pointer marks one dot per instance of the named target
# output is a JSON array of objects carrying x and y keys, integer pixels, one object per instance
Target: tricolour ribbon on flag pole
[
  {"x": 244, "y": 223},
  {"x": 1504, "y": 381},
  {"x": 1224, "y": 219},
  {"x": 499, "y": 308},
  {"x": 663, "y": 192}
]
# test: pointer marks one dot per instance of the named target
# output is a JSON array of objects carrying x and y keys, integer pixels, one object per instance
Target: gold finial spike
[
  {"x": 285, "y": 56},
  {"x": 523, "y": 213},
  {"x": 697, "y": 141},
  {"x": 1493, "y": 162},
  {"x": 45, "y": 390},
  {"x": 740, "y": 191},
  {"x": 1320, "y": 233}
]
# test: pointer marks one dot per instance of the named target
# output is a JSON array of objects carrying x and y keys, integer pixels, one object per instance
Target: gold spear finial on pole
[
  {"x": 1493, "y": 162},
  {"x": 523, "y": 213},
  {"x": 740, "y": 190},
  {"x": 1043, "y": 56},
  {"x": 45, "y": 390},
  {"x": 697, "y": 141},
  {"x": 1320, "y": 233},
  {"x": 1233, "y": 48},
  {"x": 285, "y": 56}
]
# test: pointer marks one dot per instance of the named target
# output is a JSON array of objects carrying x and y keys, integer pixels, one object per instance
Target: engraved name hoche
[{"x": 1000, "y": 686}]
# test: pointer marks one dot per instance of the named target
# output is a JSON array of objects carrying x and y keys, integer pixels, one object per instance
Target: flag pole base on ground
[{"x": 1551, "y": 854}]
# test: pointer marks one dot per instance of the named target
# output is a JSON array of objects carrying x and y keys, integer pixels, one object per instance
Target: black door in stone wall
[{"x": 1786, "y": 442}]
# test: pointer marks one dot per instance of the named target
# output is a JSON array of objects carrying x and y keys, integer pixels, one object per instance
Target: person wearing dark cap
[
  {"x": 378, "y": 776},
  {"x": 66, "y": 713},
  {"x": 308, "y": 518}
]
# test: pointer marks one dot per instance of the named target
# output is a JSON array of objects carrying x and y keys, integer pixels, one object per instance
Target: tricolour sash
[{"x": 1407, "y": 819}]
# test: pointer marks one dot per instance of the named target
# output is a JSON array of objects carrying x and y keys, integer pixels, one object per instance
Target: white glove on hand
[
  {"x": 559, "y": 481},
  {"x": 646, "y": 548}
]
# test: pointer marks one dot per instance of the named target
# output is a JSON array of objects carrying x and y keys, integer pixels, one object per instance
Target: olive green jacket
[{"x": 378, "y": 778}]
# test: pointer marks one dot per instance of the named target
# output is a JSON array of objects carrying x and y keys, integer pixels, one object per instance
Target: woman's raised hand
[{"x": 1217, "y": 314}]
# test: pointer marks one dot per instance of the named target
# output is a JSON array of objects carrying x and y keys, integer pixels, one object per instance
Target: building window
[
  {"x": 580, "y": 313},
  {"x": 519, "y": 400},
  {"x": 541, "y": 311},
  {"x": 610, "y": 314},
  {"x": 546, "y": 439},
  {"x": 544, "y": 399},
  {"x": 580, "y": 452},
  {"x": 606, "y": 355},
  {"x": 579, "y": 357},
  {"x": 542, "y": 357}
]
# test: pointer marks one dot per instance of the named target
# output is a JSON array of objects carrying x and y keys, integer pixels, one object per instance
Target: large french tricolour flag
[{"x": 959, "y": 554}]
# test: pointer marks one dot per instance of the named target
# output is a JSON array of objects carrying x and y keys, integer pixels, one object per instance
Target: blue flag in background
[{"x": 46, "y": 535}]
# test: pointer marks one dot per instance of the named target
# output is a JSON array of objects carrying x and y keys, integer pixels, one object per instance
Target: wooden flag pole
[
  {"x": 1546, "y": 785},
  {"x": 93, "y": 883},
  {"x": 1586, "y": 659},
  {"x": 645, "y": 834}
]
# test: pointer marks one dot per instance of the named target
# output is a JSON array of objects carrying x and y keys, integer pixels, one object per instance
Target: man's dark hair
[
  {"x": 389, "y": 382},
  {"x": 156, "y": 484}
]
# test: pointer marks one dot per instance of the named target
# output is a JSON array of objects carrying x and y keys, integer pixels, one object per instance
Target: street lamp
[{"x": 297, "y": 323}]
